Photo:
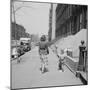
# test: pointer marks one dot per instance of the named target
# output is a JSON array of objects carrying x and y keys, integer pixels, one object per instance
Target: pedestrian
[
  {"x": 43, "y": 52},
  {"x": 14, "y": 53},
  {"x": 18, "y": 55}
]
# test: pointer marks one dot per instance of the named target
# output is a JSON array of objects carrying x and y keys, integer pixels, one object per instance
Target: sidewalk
[{"x": 27, "y": 74}]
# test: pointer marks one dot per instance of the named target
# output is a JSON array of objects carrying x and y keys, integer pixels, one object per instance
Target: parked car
[
  {"x": 26, "y": 46},
  {"x": 25, "y": 43},
  {"x": 21, "y": 50}
]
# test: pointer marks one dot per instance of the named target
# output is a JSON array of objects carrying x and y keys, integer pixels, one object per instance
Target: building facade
[{"x": 70, "y": 19}]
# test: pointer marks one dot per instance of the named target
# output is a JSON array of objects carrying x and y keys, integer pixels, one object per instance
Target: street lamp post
[{"x": 14, "y": 17}]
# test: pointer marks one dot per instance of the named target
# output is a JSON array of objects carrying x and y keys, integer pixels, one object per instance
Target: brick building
[{"x": 70, "y": 19}]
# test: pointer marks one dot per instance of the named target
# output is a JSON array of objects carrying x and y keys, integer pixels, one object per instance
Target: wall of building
[{"x": 70, "y": 19}]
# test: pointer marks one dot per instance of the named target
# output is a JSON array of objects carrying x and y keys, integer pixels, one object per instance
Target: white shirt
[{"x": 14, "y": 51}]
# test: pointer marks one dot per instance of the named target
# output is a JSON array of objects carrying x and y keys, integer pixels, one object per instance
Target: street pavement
[{"x": 27, "y": 74}]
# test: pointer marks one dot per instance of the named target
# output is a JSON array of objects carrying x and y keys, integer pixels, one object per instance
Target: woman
[{"x": 43, "y": 52}]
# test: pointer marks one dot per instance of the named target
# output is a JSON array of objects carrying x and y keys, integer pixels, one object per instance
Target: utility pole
[
  {"x": 14, "y": 17},
  {"x": 50, "y": 22},
  {"x": 14, "y": 22}
]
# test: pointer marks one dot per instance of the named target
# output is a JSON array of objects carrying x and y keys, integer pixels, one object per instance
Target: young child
[{"x": 61, "y": 57}]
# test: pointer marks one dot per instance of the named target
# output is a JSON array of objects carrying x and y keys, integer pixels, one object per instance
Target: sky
[{"x": 33, "y": 16}]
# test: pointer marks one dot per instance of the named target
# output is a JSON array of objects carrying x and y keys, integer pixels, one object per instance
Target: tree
[{"x": 13, "y": 10}]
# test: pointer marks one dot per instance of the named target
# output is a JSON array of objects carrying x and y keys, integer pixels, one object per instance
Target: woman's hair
[{"x": 43, "y": 38}]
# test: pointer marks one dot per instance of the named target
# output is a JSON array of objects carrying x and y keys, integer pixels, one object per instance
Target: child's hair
[{"x": 62, "y": 51}]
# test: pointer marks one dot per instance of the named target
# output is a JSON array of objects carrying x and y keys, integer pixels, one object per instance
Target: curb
[{"x": 78, "y": 75}]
